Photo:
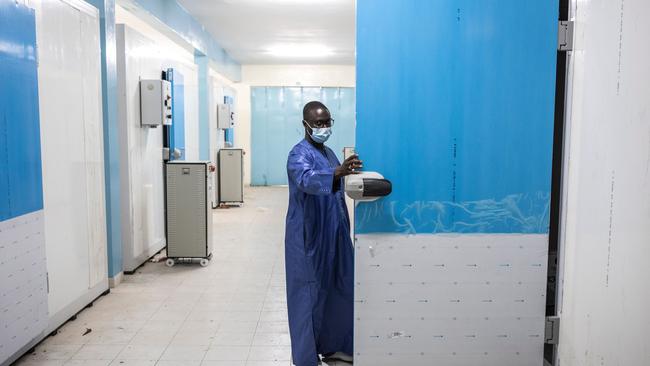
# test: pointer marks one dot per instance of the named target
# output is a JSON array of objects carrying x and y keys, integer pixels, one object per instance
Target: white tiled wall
[
  {"x": 23, "y": 282},
  {"x": 450, "y": 299}
]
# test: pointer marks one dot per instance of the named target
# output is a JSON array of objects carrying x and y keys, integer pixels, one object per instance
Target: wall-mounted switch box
[
  {"x": 155, "y": 103},
  {"x": 225, "y": 116}
]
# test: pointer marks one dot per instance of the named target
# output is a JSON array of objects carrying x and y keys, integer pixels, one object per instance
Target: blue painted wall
[
  {"x": 204, "y": 106},
  {"x": 111, "y": 137},
  {"x": 229, "y": 133},
  {"x": 277, "y": 126},
  {"x": 21, "y": 184},
  {"x": 455, "y": 107},
  {"x": 177, "y": 135}
]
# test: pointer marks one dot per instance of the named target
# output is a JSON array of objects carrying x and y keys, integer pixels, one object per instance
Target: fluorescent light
[{"x": 300, "y": 50}]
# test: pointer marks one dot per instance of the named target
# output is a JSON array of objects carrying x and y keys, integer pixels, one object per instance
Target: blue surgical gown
[{"x": 319, "y": 257}]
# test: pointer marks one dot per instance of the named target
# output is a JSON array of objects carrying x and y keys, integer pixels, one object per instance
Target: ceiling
[{"x": 280, "y": 31}]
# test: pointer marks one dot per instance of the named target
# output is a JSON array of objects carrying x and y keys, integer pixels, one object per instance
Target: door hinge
[
  {"x": 552, "y": 331},
  {"x": 47, "y": 280},
  {"x": 565, "y": 35}
]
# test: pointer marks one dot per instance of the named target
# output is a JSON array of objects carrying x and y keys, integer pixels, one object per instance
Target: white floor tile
[
  {"x": 184, "y": 353},
  {"x": 190, "y": 338},
  {"x": 178, "y": 363},
  {"x": 53, "y": 352},
  {"x": 87, "y": 363},
  {"x": 200, "y": 326},
  {"x": 30, "y": 362},
  {"x": 223, "y": 363},
  {"x": 122, "y": 362},
  {"x": 161, "y": 338},
  {"x": 227, "y": 353},
  {"x": 273, "y": 327},
  {"x": 232, "y": 339},
  {"x": 265, "y": 353},
  {"x": 271, "y": 339},
  {"x": 98, "y": 352},
  {"x": 141, "y": 353},
  {"x": 238, "y": 326}
]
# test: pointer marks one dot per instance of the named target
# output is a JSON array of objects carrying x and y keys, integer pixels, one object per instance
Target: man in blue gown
[{"x": 318, "y": 249}]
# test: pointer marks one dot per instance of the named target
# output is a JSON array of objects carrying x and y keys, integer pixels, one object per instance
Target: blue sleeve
[{"x": 300, "y": 168}]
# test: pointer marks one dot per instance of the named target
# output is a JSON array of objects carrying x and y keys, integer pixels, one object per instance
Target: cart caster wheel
[
  {"x": 204, "y": 262},
  {"x": 170, "y": 262}
]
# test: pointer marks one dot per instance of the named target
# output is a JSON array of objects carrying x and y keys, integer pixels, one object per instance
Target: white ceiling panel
[{"x": 280, "y": 31}]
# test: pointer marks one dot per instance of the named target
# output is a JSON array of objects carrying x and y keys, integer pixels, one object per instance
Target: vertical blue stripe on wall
[
  {"x": 276, "y": 119},
  {"x": 455, "y": 107},
  {"x": 21, "y": 185},
  {"x": 204, "y": 106},
  {"x": 111, "y": 139},
  {"x": 229, "y": 133},
  {"x": 177, "y": 130}
]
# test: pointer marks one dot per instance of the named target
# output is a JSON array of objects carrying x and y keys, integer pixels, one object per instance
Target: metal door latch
[
  {"x": 565, "y": 35},
  {"x": 552, "y": 331}
]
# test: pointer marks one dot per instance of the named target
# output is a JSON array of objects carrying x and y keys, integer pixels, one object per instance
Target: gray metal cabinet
[
  {"x": 231, "y": 176},
  {"x": 189, "y": 218}
]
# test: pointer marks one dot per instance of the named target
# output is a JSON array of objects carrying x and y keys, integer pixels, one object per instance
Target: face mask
[{"x": 321, "y": 135}]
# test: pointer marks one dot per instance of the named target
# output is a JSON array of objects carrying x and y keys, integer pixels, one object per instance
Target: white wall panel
[
  {"x": 606, "y": 296},
  {"x": 450, "y": 299},
  {"x": 142, "y": 186},
  {"x": 72, "y": 156},
  {"x": 23, "y": 298},
  {"x": 94, "y": 151}
]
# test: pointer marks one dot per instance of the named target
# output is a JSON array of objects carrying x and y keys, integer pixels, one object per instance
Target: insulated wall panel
[
  {"x": 606, "y": 295},
  {"x": 141, "y": 164},
  {"x": 455, "y": 105},
  {"x": 277, "y": 127},
  {"x": 23, "y": 277},
  {"x": 73, "y": 155}
]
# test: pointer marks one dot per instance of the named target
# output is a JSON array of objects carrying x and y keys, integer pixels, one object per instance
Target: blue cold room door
[
  {"x": 455, "y": 105},
  {"x": 277, "y": 126}
]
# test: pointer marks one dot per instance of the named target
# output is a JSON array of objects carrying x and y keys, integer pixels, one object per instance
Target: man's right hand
[{"x": 348, "y": 167}]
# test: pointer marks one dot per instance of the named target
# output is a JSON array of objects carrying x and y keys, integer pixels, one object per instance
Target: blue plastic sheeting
[
  {"x": 177, "y": 136},
  {"x": 21, "y": 185},
  {"x": 277, "y": 126},
  {"x": 456, "y": 108}
]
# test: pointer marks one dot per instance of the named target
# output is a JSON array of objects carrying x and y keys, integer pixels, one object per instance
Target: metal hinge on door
[
  {"x": 552, "y": 332},
  {"x": 47, "y": 279},
  {"x": 565, "y": 35}
]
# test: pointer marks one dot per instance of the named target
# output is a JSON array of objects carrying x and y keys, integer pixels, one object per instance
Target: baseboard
[
  {"x": 57, "y": 320},
  {"x": 115, "y": 281},
  {"x": 131, "y": 265}
]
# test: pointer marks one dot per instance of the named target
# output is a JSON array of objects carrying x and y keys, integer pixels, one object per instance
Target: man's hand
[{"x": 348, "y": 167}]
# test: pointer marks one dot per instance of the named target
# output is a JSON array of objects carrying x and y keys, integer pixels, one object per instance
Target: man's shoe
[{"x": 340, "y": 356}]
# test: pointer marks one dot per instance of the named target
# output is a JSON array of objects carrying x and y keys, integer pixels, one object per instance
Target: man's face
[{"x": 319, "y": 118}]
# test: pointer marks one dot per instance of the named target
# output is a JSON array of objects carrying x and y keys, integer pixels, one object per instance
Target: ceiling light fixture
[{"x": 300, "y": 51}]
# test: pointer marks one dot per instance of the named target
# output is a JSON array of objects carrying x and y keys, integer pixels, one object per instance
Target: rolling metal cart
[{"x": 189, "y": 216}]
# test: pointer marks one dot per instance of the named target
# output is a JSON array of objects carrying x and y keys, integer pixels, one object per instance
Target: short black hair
[{"x": 311, "y": 106}]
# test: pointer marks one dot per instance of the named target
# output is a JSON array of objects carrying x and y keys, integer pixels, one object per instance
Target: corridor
[{"x": 231, "y": 313}]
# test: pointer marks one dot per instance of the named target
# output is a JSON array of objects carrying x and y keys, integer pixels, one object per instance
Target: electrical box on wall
[
  {"x": 155, "y": 103},
  {"x": 225, "y": 116}
]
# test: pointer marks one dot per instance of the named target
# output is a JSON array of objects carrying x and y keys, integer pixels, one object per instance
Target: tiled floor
[{"x": 231, "y": 313}]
